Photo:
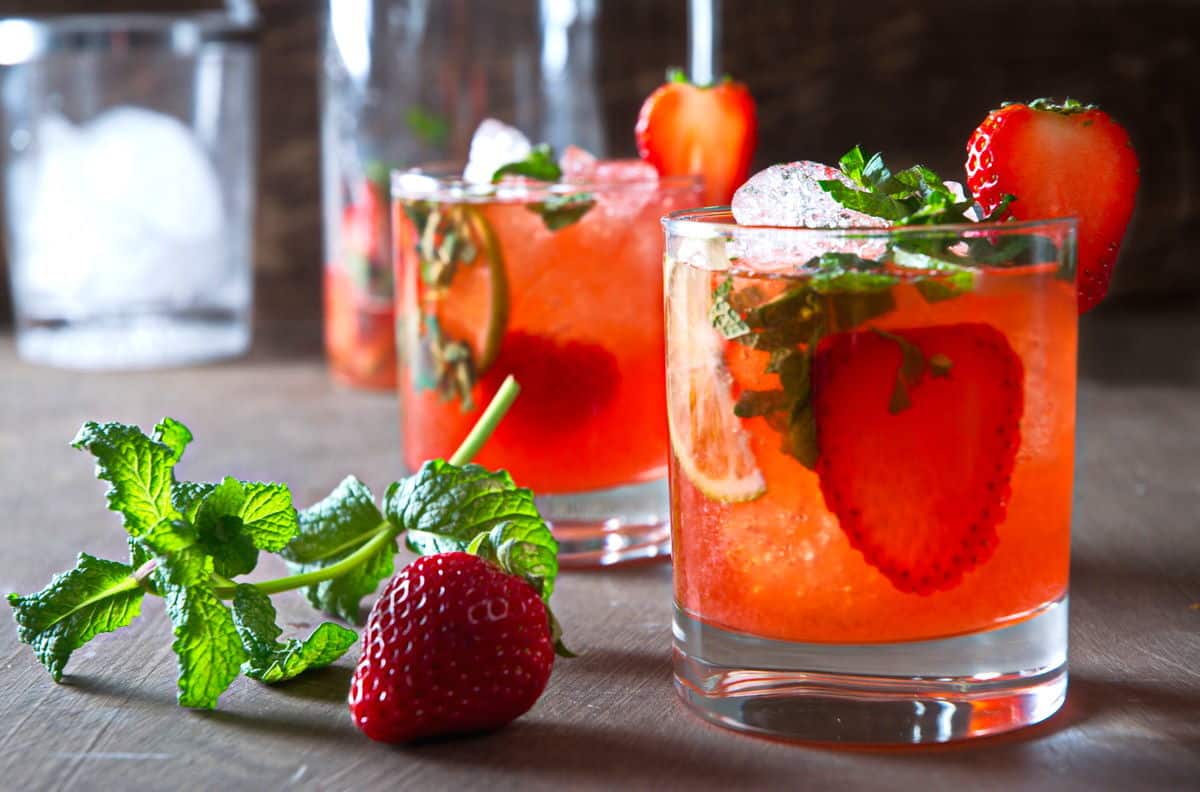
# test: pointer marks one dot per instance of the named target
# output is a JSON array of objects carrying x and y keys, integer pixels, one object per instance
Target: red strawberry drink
[
  {"x": 552, "y": 275},
  {"x": 872, "y": 430}
]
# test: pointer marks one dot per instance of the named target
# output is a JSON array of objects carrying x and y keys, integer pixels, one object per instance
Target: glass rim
[
  {"x": 694, "y": 223},
  {"x": 28, "y": 38},
  {"x": 444, "y": 180}
]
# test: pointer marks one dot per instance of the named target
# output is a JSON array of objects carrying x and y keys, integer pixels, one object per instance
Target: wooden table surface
[{"x": 610, "y": 717}]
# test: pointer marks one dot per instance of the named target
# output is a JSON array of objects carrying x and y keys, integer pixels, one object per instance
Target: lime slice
[{"x": 709, "y": 443}]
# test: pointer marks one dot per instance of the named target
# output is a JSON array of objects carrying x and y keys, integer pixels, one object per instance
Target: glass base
[
  {"x": 612, "y": 526},
  {"x": 137, "y": 341},
  {"x": 895, "y": 693}
]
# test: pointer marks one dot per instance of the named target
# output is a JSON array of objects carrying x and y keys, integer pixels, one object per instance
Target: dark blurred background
[{"x": 910, "y": 78}]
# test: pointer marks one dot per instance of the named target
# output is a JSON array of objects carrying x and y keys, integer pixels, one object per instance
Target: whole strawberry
[
  {"x": 453, "y": 645},
  {"x": 709, "y": 130},
  {"x": 1060, "y": 160}
]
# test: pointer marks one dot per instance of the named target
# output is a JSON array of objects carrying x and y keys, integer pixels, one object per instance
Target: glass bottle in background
[
  {"x": 407, "y": 82},
  {"x": 129, "y": 185}
]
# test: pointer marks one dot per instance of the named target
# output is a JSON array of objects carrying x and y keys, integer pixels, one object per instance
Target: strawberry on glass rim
[
  {"x": 1059, "y": 160},
  {"x": 684, "y": 129}
]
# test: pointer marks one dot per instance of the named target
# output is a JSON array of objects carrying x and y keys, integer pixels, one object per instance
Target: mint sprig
[
  {"x": 915, "y": 196},
  {"x": 538, "y": 164},
  {"x": 188, "y": 539}
]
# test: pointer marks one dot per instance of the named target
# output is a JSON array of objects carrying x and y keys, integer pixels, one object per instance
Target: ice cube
[
  {"x": 494, "y": 144},
  {"x": 627, "y": 170},
  {"x": 150, "y": 165},
  {"x": 960, "y": 195},
  {"x": 789, "y": 195},
  {"x": 125, "y": 209},
  {"x": 578, "y": 165}
]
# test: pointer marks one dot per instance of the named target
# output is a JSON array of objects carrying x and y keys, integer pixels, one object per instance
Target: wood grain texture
[
  {"x": 609, "y": 717},
  {"x": 910, "y": 79}
]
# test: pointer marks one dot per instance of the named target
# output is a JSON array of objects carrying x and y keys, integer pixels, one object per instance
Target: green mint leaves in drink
[{"x": 539, "y": 164}]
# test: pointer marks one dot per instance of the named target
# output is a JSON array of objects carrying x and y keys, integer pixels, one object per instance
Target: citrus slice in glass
[{"x": 708, "y": 441}]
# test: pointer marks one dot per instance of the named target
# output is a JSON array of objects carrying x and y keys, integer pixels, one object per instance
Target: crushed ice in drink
[
  {"x": 493, "y": 145},
  {"x": 577, "y": 164},
  {"x": 790, "y": 195}
]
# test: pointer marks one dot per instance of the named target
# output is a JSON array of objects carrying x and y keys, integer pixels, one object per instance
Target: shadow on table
[
  {"x": 243, "y": 715},
  {"x": 330, "y": 684},
  {"x": 574, "y": 753}
]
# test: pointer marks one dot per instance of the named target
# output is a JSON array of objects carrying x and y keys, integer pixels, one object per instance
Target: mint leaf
[
  {"x": 139, "y": 469},
  {"x": 759, "y": 403},
  {"x": 444, "y": 508},
  {"x": 207, "y": 646},
  {"x": 174, "y": 435},
  {"x": 560, "y": 211},
  {"x": 333, "y": 529},
  {"x": 722, "y": 314},
  {"x": 187, "y": 495},
  {"x": 237, "y": 519},
  {"x": 913, "y": 196},
  {"x": 96, "y": 596},
  {"x": 269, "y": 660},
  {"x": 945, "y": 287},
  {"x": 869, "y": 203},
  {"x": 220, "y": 531},
  {"x": 852, "y": 163},
  {"x": 539, "y": 164},
  {"x": 427, "y": 126}
]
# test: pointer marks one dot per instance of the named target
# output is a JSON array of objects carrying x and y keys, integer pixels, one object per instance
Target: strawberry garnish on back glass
[
  {"x": 707, "y": 130},
  {"x": 1059, "y": 160}
]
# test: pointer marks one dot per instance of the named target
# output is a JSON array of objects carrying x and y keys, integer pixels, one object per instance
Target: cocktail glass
[
  {"x": 872, "y": 446},
  {"x": 559, "y": 285}
]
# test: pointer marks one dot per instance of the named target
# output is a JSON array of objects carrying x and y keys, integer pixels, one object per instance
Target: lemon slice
[{"x": 710, "y": 445}]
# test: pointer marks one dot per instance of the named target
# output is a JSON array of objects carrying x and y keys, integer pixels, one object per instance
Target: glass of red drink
[
  {"x": 872, "y": 438},
  {"x": 559, "y": 285}
]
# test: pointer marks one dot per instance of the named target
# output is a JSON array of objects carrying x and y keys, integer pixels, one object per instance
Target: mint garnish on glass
[
  {"x": 188, "y": 542},
  {"x": 842, "y": 291},
  {"x": 557, "y": 210}
]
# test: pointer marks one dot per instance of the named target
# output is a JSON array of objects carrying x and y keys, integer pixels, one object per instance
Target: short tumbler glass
[
  {"x": 560, "y": 286},
  {"x": 129, "y": 185},
  {"x": 871, "y": 475}
]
